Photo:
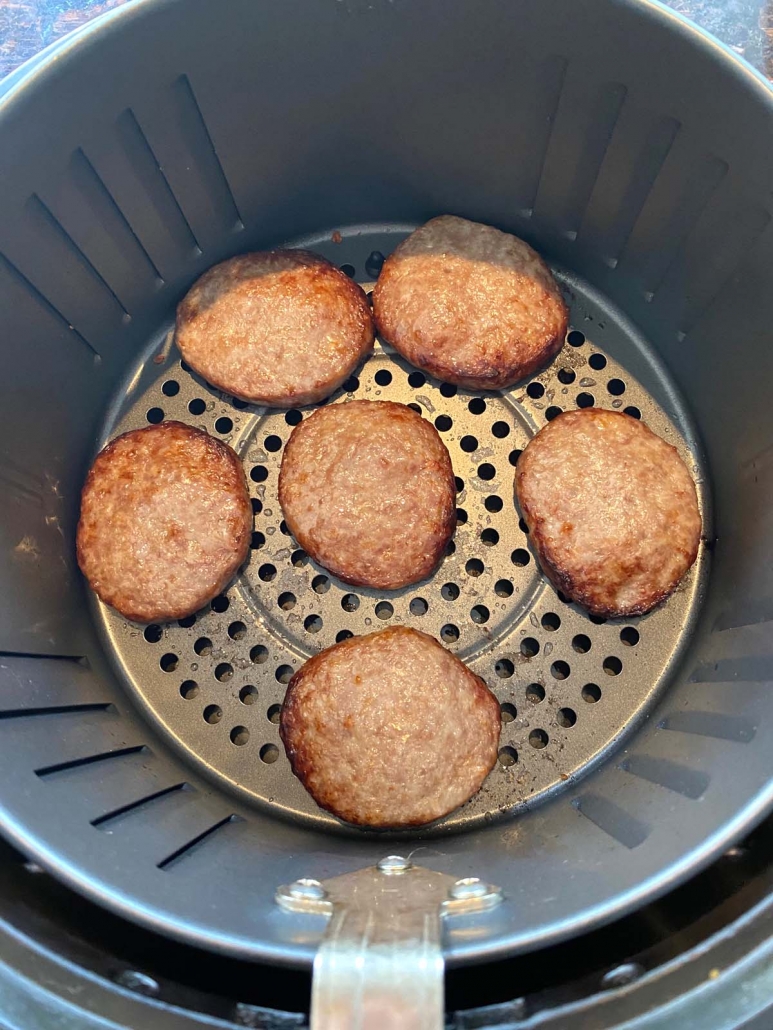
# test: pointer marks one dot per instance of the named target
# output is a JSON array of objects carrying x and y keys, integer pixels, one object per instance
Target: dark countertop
[{"x": 26, "y": 26}]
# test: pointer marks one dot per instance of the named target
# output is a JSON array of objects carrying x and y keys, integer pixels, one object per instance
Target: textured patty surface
[
  {"x": 165, "y": 521},
  {"x": 367, "y": 489},
  {"x": 470, "y": 304},
  {"x": 389, "y": 729},
  {"x": 281, "y": 327},
  {"x": 611, "y": 509}
]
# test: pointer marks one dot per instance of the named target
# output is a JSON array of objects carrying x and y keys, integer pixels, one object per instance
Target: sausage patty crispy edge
[
  {"x": 165, "y": 521},
  {"x": 611, "y": 508},
  {"x": 389, "y": 729}
]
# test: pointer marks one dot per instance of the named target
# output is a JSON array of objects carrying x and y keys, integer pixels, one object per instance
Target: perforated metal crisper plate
[{"x": 569, "y": 685}]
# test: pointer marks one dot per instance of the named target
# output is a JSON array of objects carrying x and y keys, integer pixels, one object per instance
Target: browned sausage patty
[
  {"x": 611, "y": 509},
  {"x": 165, "y": 521},
  {"x": 367, "y": 489},
  {"x": 470, "y": 304},
  {"x": 389, "y": 729},
  {"x": 280, "y": 327}
]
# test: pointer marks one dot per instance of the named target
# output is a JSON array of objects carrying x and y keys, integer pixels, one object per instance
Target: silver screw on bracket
[
  {"x": 307, "y": 890},
  {"x": 393, "y": 865},
  {"x": 468, "y": 888}
]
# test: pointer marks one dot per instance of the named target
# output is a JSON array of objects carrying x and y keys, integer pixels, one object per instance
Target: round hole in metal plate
[
  {"x": 538, "y": 739},
  {"x": 529, "y": 647},
  {"x": 239, "y": 735},
  {"x": 213, "y": 714},
  {"x": 566, "y": 717},
  {"x": 581, "y": 643},
  {"x": 535, "y": 693},
  {"x": 168, "y": 662},
  {"x": 269, "y": 753},
  {"x": 591, "y": 693},
  {"x": 248, "y": 695}
]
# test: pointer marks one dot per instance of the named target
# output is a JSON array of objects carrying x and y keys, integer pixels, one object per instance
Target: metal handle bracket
[{"x": 380, "y": 964}]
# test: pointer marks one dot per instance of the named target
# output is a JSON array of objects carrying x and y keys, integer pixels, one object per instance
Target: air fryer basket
[{"x": 144, "y": 766}]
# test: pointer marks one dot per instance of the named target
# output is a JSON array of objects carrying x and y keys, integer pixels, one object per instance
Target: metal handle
[{"x": 380, "y": 964}]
